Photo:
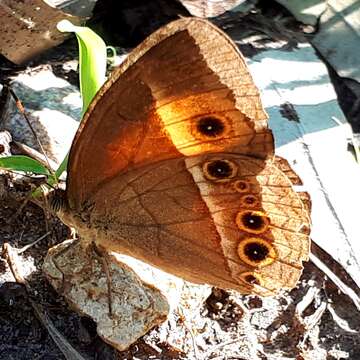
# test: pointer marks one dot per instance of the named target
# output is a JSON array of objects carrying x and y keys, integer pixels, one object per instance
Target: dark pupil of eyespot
[
  {"x": 251, "y": 279},
  {"x": 219, "y": 169},
  {"x": 251, "y": 221},
  {"x": 256, "y": 251},
  {"x": 242, "y": 186},
  {"x": 249, "y": 200},
  {"x": 210, "y": 126}
]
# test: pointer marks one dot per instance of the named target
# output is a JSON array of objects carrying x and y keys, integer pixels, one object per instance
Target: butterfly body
[{"x": 174, "y": 165}]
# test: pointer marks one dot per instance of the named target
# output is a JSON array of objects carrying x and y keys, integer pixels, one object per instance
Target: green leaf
[
  {"x": 23, "y": 163},
  {"x": 92, "y": 67},
  {"x": 92, "y": 60}
]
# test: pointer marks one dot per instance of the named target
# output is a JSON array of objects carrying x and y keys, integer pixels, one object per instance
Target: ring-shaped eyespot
[
  {"x": 256, "y": 252},
  {"x": 249, "y": 201},
  {"x": 241, "y": 186},
  {"x": 251, "y": 279},
  {"x": 219, "y": 170},
  {"x": 210, "y": 127},
  {"x": 252, "y": 221}
]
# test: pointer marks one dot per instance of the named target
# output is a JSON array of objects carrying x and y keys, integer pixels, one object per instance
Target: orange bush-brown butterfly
[{"x": 174, "y": 164}]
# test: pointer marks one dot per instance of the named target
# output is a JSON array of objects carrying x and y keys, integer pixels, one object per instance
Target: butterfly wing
[
  {"x": 185, "y": 90},
  {"x": 225, "y": 219},
  {"x": 173, "y": 164},
  {"x": 262, "y": 222}
]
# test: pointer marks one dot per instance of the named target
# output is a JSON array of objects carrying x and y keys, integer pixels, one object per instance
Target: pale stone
[
  {"x": 80, "y": 275},
  {"x": 54, "y": 109}
]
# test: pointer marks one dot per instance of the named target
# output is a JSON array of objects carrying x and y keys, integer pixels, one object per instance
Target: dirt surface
[{"x": 314, "y": 321}]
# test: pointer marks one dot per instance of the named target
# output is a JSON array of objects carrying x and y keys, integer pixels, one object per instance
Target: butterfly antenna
[{"x": 21, "y": 109}]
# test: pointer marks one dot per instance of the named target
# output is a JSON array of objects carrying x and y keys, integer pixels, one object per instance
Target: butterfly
[{"x": 174, "y": 165}]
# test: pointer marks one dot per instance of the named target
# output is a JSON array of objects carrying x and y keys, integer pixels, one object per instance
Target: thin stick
[
  {"x": 336, "y": 280},
  {"x": 11, "y": 256},
  {"x": 28, "y": 246},
  {"x": 19, "y": 210},
  {"x": 21, "y": 109},
  {"x": 34, "y": 154}
]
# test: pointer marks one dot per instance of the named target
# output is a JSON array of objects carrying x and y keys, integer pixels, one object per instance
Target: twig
[
  {"x": 307, "y": 299},
  {"x": 337, "y": 281},
  {"x": 34, "y": 154},
  {"x": 11, "y": 256},
  {"x": 19, "y": 210},
  {"x": 69, "y": 352},
  {"x": 342, "y": 323},
  {"x": 21, "y": 109},
  {"x": 310, "y": 321},
  {"x": 26, "y": 247}
]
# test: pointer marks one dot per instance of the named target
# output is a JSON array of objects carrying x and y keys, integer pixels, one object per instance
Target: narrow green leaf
[
  {"x": 23, "y": 163},
  {"x": 62, "y": 167},
  {"x": 92, "y": 60},
  {"x": 92, "y": 67}
]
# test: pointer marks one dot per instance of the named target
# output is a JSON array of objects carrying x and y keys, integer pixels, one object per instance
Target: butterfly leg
[
  {"x": 63, "y": 287},
  {"x": 102, "y": 256}
]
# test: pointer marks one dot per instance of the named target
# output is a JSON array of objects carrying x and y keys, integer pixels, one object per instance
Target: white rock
[{"x": 80, "y": 275}]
